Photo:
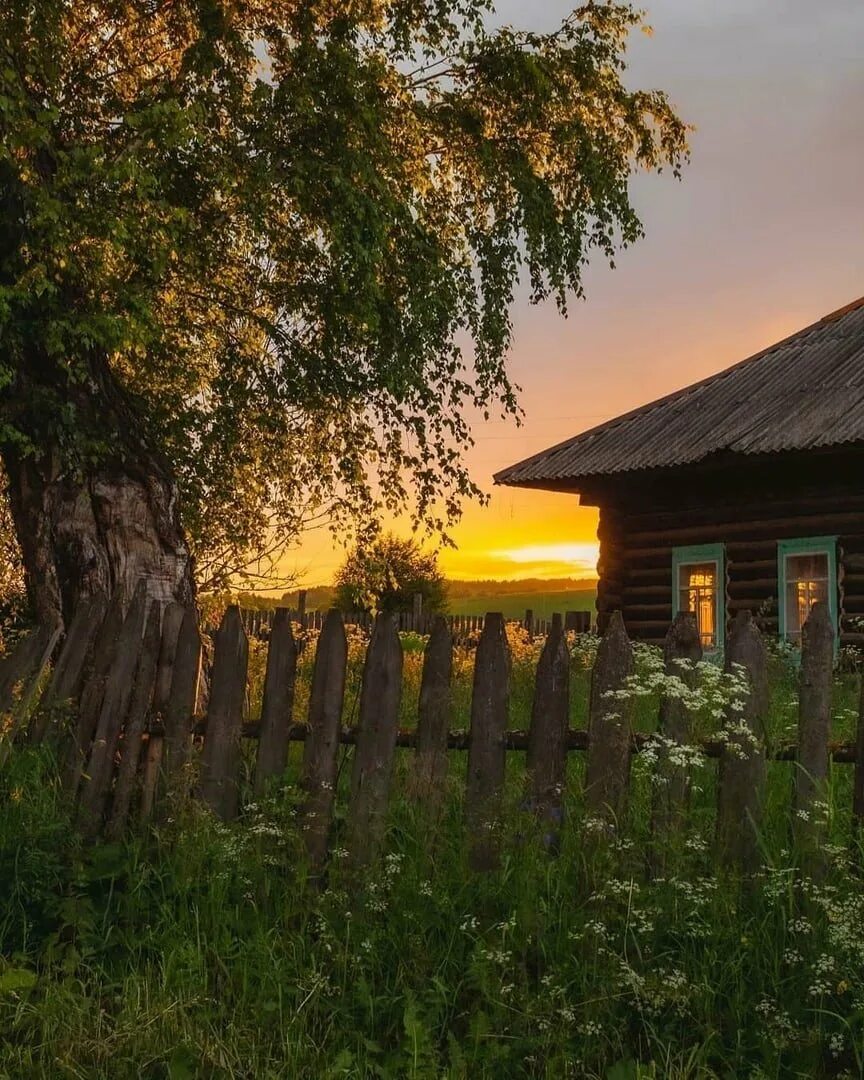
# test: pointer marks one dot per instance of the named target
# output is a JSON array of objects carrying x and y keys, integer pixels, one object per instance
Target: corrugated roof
[{"x": 806, "y": 391}]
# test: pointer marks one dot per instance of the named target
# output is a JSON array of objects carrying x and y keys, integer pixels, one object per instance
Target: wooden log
[
  {"x": 220, "y": 760},
  {"x": 742, "y": 764},
  {"x": 682, "y": 650},
  {"x": 278, "y": 702},
  {"x": 104, "y": 650},
  {"x": 607, "y": 771},
  {"x": 490, "y": 706},
  {"x": 646, "y": 594},
  {"x": 815, "y": 683},
  {"x": 97, "y": 778},
  {"x": 136, "y": 721},
  {"x": 64, "y": 686},
  {"x": 760, "y": 526},
  {"x": 429, "y": 772},
  {"x": 178, "y": 709},
  {"x": 380, "y": 695},
  {"x": 649, "y": 611},
  {"x": 547, "y": 741},
  {"x": 719, "y": 514},
  {"x": 761, "y": 587},
  {"x": 318, "y": 779}
]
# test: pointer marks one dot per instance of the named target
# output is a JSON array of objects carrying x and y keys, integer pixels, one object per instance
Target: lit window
[
  {"x": 698, "y": 576},
  {"x": 808, "y": 574}
]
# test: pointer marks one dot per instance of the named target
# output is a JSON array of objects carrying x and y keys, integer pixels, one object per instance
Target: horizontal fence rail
[
  {"x": 575, "y": 739},
  {"x": 132, "y": 695}
]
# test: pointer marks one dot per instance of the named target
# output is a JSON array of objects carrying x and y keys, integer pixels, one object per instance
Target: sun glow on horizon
[{"x": 580, "y": 555}]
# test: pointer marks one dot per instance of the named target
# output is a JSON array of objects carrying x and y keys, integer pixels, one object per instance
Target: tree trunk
[{"x": 87, "y": 529}]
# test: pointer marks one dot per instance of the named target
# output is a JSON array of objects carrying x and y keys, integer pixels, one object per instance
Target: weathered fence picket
[
  {"x": 607, "y": 771},
  {"x": 90, "y": 702},
  {"x": 178, "y": 708},
  {"x": 64, "y": 685},
  {"x": 380, "y": 696},
  {"x": 220, "y": 760},
  {"x": 20, "y": 675},
  {"x": 741, "y": 777},
  {"x": 136, "y": 721},
  {"x": 433, "y": 719},
  {"x": 133, "y": 677},
  {"x": 815, "y": 684},
  {"x": 682, "y": 650},
  {"x": 278, "y": 702},
  {"x": 490, "y": 705},
  {"x": 98, "y": 775},
  {"x": 318, "y": 779},
  {"x": 547, "y": 740}
]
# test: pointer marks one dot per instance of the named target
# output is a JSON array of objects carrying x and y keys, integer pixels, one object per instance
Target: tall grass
[{"x": 201, "y": 950}]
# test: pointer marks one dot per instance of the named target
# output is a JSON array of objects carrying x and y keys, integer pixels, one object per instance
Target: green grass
[{"x": 201, "y": 950}]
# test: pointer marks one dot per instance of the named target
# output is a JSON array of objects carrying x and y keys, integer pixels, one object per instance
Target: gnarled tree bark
[{"x": 89, "y": 528}]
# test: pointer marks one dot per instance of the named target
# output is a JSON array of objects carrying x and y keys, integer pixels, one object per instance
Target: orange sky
[{"x": 764, "y": 235}]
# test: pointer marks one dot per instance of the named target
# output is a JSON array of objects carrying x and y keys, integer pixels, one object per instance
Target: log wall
[{"x": 746, "y": 504}]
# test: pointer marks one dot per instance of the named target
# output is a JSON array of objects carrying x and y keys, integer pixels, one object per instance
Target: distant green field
[{"x": 515, "y": 605}]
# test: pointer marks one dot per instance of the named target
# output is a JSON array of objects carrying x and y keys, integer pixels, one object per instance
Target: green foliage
[
  {"x": 201, "y": 950},
  {"x": 275, "y": 243},
  {"x": 386, "y": 574}
]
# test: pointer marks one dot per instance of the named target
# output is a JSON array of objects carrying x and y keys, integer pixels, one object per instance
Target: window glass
[
  {"x": 807, "y": 577},
  {"x": 697, "y": 592}
]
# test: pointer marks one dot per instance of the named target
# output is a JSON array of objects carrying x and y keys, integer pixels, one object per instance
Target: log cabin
[{"x": 742, "y": 491}]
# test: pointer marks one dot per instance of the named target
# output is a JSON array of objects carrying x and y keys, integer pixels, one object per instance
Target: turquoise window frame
[
  {"x": 702, "y": 553},
  {"x": 808, "y": 545}
]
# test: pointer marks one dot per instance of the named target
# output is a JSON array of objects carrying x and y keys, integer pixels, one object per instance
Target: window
[
  {"x": 807, "y": 573},
  {"x": 699, "y": 585}
]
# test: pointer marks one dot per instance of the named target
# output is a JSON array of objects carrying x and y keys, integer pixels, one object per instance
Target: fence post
[
  {"x": 318, "y": 779},
  {"x": 578, "y": 621},
  {"x": 433, "y": 723},
  {"x": 64, "y": 685},
  {"x": 380, "y": 696},
  {"x": 671, "y": 791},
  {"x": 278, "y": 703},
  {"x": 547, "y": 739},
  {"x": 139, "y": 709},
  {"x": 112, "y": 714},
  {"x": 220, "y": 761},
  {"x": 814, "y": 724},
  {"x": 172, "y": 619},
  {"x": 529, "y": 621},
  {"x": 742, "y": 763},
  {"x": 490, "y": 703},
  {"x": 22, "y": 671},
  {"x": 178, "y": 710},
  {"x": 607, "y": 771},
  {"x": 104, "y": 648}
]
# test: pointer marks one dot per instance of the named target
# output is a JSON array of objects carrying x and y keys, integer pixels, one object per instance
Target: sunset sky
[{"x": 764, "y": 234}]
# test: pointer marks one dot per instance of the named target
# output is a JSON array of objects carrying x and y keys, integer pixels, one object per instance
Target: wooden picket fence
[
  {"x": 258, "y": 621},
  {"x": 119, "y": 695}
]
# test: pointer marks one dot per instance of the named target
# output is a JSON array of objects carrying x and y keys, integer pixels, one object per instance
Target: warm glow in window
[
  {"x": 806, "y": 583},
  {"x": 697, "y": 592}
]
